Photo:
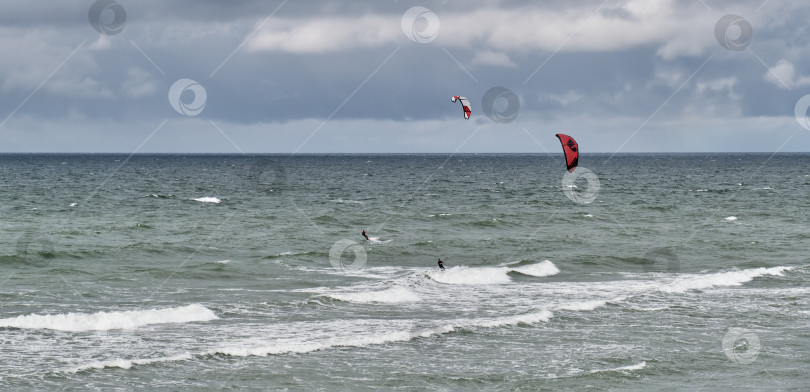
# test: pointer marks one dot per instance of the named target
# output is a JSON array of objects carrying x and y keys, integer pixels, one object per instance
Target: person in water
[
  {"x": 364, "y": 235},
  {"x": 441, "y": 264}
]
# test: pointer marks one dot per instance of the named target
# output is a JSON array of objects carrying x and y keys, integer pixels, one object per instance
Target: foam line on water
[
  {"x": 102, "y": 321},
  {"x": 127, "y": 363},
  {"x": 732, "y": 278},
  {"x": 541, "y": 269},
  {"x": 638, "y": 366},
  {"x": 302, "y": 347},
  {"x": 213, "y": 200},
  {"x": 471, "y": 276},
  {"x": 395, "y": 294}
]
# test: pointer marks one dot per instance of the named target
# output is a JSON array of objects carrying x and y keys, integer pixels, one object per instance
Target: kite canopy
[
  {"x": 571, "y": 151},
  {"x": 465, "y": 104}
]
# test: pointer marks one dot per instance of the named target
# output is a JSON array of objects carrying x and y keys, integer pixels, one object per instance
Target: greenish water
[{"x": 668, "y": 272}]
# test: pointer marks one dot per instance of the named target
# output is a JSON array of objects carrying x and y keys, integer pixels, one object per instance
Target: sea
[{"x": 634, "y": 272}]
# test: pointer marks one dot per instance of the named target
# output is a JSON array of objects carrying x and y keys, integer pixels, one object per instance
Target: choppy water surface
[{"x": 664, "y": 272}]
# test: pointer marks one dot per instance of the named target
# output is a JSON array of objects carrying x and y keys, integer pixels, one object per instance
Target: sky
[{"x": 269, "y": 76}]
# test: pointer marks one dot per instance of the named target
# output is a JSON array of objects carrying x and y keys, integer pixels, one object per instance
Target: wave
[
  {"x": 730, "y": 219},
  {"x": 159, "y": 196},
  {"x": 582, "y": 306},
  {"x": 733, "y": 278},
  {"x": 213, "y": 200},
  {"x": 528, "y": 318},
  {"x": 491, "y": 275},
  {"x": 296, "y": 347},
  {"x": 284, "y": 254},
  {"x": 341, "y": 201},
  {"x": 543, "y": 268},
  {"x": 638, "y": 366},
  {"x": 376, "y": 240},
  {"x": 128, "y": 363},
  {"x": 102, "y": 321},
  {"x": 471, "y": 276},
  {"x": 396, "y": 294}
]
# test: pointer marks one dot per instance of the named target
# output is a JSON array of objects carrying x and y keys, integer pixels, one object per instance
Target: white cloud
[
  {"x": 783, "y": 75},
  {"x": 566, "y": 99},
  {"x": 719, "y": 85},
  {"x": 495, "y": 59},
  {"x": 676, "y": 29},
  {"x": 102, "y": 43},
  {"x": 322, "y": 35},
  {"x": 138, "y": 83}
]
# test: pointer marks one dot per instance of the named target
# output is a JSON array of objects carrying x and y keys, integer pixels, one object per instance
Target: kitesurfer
[
  {"x": 441, "y": 263},
  {"x": 364, "y": 235}
]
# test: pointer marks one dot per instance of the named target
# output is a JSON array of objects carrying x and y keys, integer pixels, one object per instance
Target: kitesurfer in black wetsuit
[
  {"x": 441, "y": 264},
  {"x": 364, "y": 235}
]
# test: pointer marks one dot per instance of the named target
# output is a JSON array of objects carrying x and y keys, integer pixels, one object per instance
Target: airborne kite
[
  {"x": 571, "y": 151},
  {"x": 465, "y": 104}
]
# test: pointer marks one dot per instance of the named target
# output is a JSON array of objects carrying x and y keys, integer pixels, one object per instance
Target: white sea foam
[
  {"x": 638, "y": 366},
  {"x": 102, "y": 321},
  {"x": 207, "y": 200},
  {"x": 395, "y": 294},
  {"x": 127, "y": 363},
  {"x": 528, "y": 318},
  {"x": 222, "y": 261},
  {"x": 301, "y": 347},
  {"x": 582, "y": 306},
  {"x": 376, "y": 240},
  {"x": 543, "y": 268},
  {"x": 684, "y": 283},
  {"x": 471, "y": 276},
  {"x": 341, "y": 201},
  {"x": 298, "y": 347},
  {"x": 730, "y": 219}
]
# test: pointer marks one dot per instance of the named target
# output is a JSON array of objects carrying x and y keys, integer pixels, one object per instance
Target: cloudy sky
[{"x": 268, "y": 76}]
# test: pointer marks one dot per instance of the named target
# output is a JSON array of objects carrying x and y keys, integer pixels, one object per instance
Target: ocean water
[{"x": 206, "y": 272}]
